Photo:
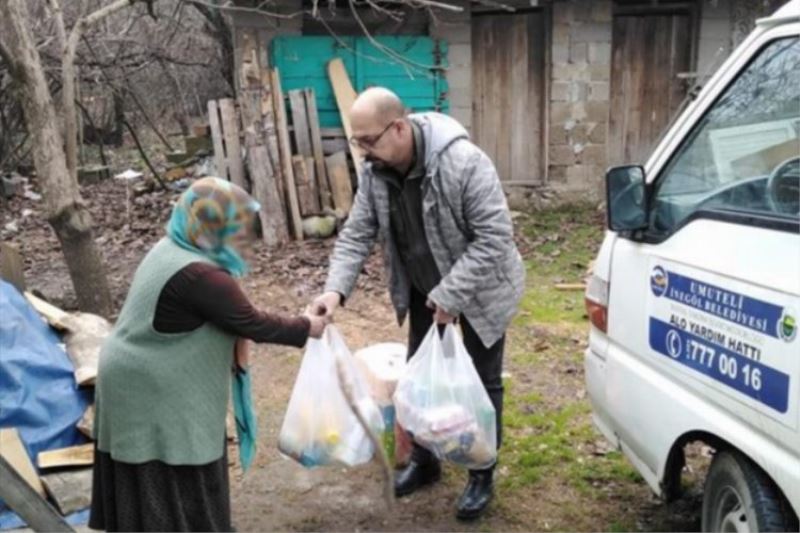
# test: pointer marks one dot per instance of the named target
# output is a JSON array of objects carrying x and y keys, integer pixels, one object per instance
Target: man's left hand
[{"x": 440, "y": 316}]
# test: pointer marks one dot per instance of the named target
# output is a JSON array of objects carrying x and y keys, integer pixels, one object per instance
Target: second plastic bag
[
  {"x": 320, "y": 427},
  {"x": 441, "y": 401}
]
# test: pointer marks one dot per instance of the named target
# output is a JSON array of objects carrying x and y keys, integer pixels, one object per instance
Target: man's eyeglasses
[{"x": 370, "y": 140}]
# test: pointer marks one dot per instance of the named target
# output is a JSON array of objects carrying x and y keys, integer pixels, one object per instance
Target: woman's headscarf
[{"x": 207, "y": 215}]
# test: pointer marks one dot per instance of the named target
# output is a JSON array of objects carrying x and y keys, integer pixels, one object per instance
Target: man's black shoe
[
  {"x": 477, "y": 494},
  {"x": 415, "y": 476}
]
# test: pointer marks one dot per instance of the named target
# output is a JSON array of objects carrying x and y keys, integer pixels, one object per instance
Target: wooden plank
[
  {"x": 569, "y": 286},
  {"x": 537, "y": 97},
  {"x": 21, "y": 498},
  {"x": 81, "y": 455},
  {"x": 312, "y": 182},
  {"x": 503, "y": 71},
  {"x": 71, "y": 489},
  {"x": 478, "y": 62},
  {"x": 518, "y": 101},
  {"x": 271, "y": 132},
  {"x": 273, "y": 221},
  {"x": 333, "y": 145},
  {"x": 302, "y": 140},
  {"x": 345, "y": 96},
  {"x": 649, "y": 51},
  {"x": 233, "y": 147},
  {"x": 216, "y": 137},
  {"x": 249, "y": 71},
  {"x": 321, "y": 176},
  {"x": 285, "y": 148},
  {"x": 54, "y": 316},
  {"x": 302, "y": 175},
  {"x": 341, "y": 185},
  {"x": 331, "y": 132},
  {"x": 86, "y": 424},
  {"x": 13, "y": 451},
  {"x": 260, "y": 168},
  {"x": 12, "y": 268}
]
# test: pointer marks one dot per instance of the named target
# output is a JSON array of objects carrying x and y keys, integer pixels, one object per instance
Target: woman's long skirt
[{"x": 155, "y": 496}]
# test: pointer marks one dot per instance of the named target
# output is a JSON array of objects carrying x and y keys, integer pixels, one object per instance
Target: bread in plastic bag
[
  {"x": 320, "y": 427},
  {"x": 442, "y": 402},
  {"x": 383, "y": 365}
]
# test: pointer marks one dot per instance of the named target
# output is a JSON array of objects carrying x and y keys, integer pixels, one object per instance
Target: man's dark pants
[{"x": 488, "y": 361}]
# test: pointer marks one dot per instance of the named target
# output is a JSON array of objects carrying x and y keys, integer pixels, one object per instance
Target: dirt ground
[{"x": 555, "y": 473}]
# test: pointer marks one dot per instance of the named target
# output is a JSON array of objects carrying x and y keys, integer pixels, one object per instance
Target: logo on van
[
  {"x": 787, "y": 327},
  {"x": 659, "y": 280}
]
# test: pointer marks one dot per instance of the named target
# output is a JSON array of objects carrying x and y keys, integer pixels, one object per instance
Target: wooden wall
[{"x": 509, "y": 88}]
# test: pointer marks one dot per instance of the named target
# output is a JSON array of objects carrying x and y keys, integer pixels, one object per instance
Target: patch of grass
[
  {"x": 533, "y": 345},
  {"x": 558, "y": 246},
  {"x": 621, "y": 526},
  {"x": 539, "y": 441},
  {"x": 549, "y": 439}
]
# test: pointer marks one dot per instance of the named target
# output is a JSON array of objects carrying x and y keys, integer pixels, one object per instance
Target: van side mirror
[{"x": 626, "y": 198}]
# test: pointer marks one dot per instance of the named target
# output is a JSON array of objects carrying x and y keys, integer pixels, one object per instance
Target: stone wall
[
  {"x": 579, "y": 94},
  {"x": 456, "y": 29},
  {"x": 579, "y": 74}
]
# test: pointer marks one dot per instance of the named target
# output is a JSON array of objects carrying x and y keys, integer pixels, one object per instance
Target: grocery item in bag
[
  {"x": 319, "y": 427},
  {"x": 441, "y": 401},
  {"x": 383, "y": 365}
]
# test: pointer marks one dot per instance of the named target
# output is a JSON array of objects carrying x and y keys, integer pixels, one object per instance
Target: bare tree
[
  {"x": 220, "y": 29},
  {"x": 54, "y": 159}
]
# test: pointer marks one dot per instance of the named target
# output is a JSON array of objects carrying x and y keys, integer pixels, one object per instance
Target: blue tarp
[{"x": 38, "y": 392}]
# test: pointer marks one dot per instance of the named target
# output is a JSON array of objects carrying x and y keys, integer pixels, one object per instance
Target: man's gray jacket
[{"x": 468, "y": 226}]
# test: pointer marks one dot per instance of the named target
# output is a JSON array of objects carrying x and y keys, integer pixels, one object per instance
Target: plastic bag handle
[{"x": 449, "y": 340}]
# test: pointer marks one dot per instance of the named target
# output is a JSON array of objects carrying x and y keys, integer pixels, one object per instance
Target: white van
[{"x": 695, "y": 293}]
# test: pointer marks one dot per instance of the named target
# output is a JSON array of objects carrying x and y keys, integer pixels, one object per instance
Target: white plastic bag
[
  {"x": 441, "y": 401},
  {"x": 320, "y": 427}
]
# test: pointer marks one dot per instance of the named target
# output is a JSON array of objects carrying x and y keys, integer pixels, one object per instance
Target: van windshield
[{"x": 744, "y": 155}]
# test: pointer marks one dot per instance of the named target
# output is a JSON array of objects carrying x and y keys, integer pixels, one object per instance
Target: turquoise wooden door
[{"x": 417, "y": 78}]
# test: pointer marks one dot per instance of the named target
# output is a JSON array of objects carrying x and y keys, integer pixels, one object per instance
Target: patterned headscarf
[{"x": 205, "y": 218}]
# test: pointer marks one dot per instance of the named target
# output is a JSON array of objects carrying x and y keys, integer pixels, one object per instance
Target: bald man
[{"x": 435, "y": 200}]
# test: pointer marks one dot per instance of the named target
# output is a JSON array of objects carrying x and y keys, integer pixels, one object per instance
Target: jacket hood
[{"x": 440, "y": 131}]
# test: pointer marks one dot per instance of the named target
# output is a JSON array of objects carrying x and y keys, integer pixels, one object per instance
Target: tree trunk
[{"x": 66, "y": 211}]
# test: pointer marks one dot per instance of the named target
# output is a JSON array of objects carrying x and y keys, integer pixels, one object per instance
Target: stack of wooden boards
[
  {"x": 66, "y": 473},
  {"x": 297, "y": 171}
]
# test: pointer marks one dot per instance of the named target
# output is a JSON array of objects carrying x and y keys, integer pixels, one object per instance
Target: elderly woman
[{"x": 164, "y": 378}]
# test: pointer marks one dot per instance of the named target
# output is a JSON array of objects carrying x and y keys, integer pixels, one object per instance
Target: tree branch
[
  {"x": 139, "y": 147},
  {"x": 254, "y": 10},
  {"x": 385, "y": 49},
  {"x": 68, "y": 75},
  {"x": 103, "y": 12},
  {"x": 58, "y": 16}
]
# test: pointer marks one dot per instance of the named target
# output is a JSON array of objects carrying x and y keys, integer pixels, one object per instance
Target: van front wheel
[{"x": 739, "y": 497}]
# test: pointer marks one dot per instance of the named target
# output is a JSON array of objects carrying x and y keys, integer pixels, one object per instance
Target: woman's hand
[
  {"x": 242, "y": 353},
  {"x": 318, "y": 323}
]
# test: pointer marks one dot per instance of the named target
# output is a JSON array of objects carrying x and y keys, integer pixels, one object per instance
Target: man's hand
[
  {"x": 440, "y": 316},
  {"x": 326, "y": 304}
]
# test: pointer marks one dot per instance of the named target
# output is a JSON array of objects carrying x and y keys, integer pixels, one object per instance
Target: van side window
[{"x": 743, "y": 156}]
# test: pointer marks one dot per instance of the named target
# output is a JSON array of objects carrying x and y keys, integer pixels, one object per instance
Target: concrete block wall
[
  {"x": 456, "y": 29},
  {"x": 579, "y": 94}
]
